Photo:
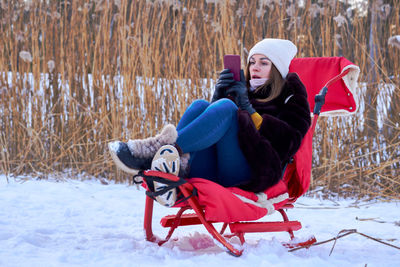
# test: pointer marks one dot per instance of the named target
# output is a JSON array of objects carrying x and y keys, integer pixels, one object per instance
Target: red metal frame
[{"x": 237, "y": 228}]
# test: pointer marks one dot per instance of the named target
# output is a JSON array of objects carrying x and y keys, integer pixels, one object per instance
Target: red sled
[{"x": 211, "y": 203}]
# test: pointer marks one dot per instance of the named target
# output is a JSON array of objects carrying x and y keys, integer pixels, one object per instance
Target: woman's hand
[
  {"x": 239, "y": 91},
  {"x": 224, "y": 81}
]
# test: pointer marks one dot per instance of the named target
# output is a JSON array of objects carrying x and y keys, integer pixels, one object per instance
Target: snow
[
  {"x": 394, "y": 41},
  {"x": 114, "y": 146},
  {"x": 87, "y": 223}
]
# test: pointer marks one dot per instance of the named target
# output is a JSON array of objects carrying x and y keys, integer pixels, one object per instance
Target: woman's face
[{"x": 259, "y": 66}]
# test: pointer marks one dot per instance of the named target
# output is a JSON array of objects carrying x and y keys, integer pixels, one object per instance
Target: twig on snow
[
  {"x": 378, "y": 220},
  {"x": 341, "y": 234}
]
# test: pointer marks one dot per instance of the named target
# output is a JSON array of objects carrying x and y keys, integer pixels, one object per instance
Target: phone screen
[{"x": 232, "y": 62}]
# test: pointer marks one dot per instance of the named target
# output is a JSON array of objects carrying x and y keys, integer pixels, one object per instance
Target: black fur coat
[{"x": 286, "y": 120}]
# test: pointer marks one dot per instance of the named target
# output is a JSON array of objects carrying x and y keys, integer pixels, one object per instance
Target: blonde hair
[{"x": 275, "y": 81}]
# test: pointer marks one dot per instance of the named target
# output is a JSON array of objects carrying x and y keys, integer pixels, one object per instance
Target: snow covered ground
[{"x": 75, "y": 223}]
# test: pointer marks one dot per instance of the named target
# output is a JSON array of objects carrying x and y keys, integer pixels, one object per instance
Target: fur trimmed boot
[
  {"x": 138, "y": 154},
  {"x": 147, "y": 148},
  {"x": 185, "y": 167}
]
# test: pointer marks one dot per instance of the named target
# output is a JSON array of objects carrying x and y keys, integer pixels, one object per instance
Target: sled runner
[{"x": 211, "y": 203}]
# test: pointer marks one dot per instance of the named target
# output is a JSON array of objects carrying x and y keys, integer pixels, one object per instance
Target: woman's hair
[{"x": 275, "y": 82}]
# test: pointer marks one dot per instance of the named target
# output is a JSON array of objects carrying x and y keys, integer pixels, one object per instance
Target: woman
[{"x": 245, "y": 143}]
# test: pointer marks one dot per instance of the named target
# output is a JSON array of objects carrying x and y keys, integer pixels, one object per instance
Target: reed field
[{"x": 75, "y": 75}]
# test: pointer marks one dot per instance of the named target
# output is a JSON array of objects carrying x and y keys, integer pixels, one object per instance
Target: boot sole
[{"x": 166, "y": 160}]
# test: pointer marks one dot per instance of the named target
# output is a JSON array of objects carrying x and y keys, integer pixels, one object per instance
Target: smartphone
[{"x": 232, "y": 62}]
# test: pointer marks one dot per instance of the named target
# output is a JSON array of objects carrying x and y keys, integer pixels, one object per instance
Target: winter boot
[{"x": 137, "y": 154}]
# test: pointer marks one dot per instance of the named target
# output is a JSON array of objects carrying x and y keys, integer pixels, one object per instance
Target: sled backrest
[{"x": 315, "y": 74}]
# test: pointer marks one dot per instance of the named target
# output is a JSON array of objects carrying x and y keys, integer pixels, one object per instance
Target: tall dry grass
[{"x": 76, "y": 74}]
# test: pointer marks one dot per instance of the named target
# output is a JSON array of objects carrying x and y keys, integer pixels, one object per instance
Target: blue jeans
[{"x": 209, "y": 132}]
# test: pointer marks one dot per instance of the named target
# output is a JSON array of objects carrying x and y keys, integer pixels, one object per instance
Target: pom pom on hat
[{"x": 279, "y": 51}]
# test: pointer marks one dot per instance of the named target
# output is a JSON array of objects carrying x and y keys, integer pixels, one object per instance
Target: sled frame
[{"x": 238, "y": 229}]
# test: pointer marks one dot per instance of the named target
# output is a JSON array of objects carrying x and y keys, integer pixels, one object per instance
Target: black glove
[
  {"x": 239, "y": 91},
  {"x": 224, "y": 81}
]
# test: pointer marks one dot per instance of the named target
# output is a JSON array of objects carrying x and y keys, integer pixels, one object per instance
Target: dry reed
[{"x": 75, "y": 75}]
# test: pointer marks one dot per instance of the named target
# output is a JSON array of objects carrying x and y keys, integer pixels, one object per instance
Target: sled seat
[{"x": 210, "y": 203}]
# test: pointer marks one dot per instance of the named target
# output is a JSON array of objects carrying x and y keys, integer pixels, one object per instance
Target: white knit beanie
[{"x": 279, "y": 51}]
